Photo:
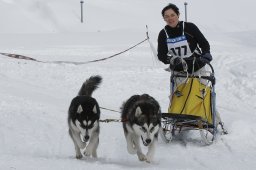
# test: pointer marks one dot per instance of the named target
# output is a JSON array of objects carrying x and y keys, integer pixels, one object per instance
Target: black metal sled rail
[{"x": 186, "y": 120}]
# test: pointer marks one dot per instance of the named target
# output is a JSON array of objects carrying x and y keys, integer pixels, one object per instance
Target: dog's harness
[{"x": 113, "y": 120}]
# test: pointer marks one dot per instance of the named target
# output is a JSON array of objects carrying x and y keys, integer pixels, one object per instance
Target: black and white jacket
[{"x": 196, "y": 41}]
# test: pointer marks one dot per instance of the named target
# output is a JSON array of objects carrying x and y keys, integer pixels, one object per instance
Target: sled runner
[{"x": 192, "y": 107}]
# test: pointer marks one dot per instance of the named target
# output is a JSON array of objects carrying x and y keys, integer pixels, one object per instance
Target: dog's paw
[
  {"x": 149, "y": 157},
  {"x": 142, "y": 157},
  {"x": 87, "y": 152},
  {"x": 79, "y": 156},
  {"x": 94, "y": 155},
  {"x": 148, "y": 160}
]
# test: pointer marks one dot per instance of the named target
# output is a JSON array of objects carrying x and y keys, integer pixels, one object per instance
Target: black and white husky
[
  {"x": 83, "y": 119},
  {"x": 141, "y": 116}
]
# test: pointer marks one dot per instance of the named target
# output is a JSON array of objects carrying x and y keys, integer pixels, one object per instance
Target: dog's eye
[
  {"x": 144, "y": 129},
  {"x": 153, "y": 119},
  {"x": 155, "y": 123},
  {"x": 92, "y": 125},
  {"x": 152, "y": 129}
]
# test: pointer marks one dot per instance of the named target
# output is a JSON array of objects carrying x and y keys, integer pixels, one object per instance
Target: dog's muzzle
[
  {"x": 84, "y": 138},
  {"x": 146, "y": 142}
]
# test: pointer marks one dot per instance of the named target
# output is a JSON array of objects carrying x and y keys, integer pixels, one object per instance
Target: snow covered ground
[{"x": 34, "y": 96}]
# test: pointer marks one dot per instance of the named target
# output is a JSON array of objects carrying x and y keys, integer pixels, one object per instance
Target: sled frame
[{"x": 173, "y": 123}]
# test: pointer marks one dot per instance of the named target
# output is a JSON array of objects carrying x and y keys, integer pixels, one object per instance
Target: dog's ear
[
  {"x": 94, "y": 109},
  {"x": 79, "y": 109},
  {"x": 138, "y": 112}
]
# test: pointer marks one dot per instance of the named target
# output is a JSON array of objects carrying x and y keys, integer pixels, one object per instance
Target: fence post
[
  {"x": 81, "y": 2},
  {"x": 186, "y": 11}
]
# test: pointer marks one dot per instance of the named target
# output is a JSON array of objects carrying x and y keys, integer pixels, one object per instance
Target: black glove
[
  {"x": 177, "y": 61},
  {"x": 206, "y": 58},
  {"x": 168, "y": 60}
]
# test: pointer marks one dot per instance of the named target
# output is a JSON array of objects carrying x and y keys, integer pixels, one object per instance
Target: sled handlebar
[
  {"x": 211, "y": 78},
  {"x": 211, "y": 67}
]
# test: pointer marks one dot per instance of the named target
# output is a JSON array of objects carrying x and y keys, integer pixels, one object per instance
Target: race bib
[{"x": 179, "y": 47}]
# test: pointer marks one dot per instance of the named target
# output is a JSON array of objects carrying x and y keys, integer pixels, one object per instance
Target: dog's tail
[{"x": 90, "y": 85}]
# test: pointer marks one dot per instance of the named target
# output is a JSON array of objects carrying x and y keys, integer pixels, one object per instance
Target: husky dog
[
  {"x": 141, "y": 117},
  {"x": 83, "y": 119}
]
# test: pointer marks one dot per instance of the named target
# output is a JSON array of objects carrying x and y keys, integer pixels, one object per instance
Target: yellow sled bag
[{"x": 192, "y": 98}]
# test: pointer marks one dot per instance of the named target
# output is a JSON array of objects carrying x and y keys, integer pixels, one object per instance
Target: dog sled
[{"x": 192, "y": 107}]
